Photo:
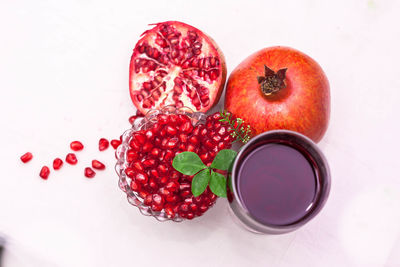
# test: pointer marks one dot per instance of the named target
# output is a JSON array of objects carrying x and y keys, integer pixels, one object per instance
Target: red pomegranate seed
[
  {"x": 152, "y": 184},
  {"x": 154, "y": 173},
  {"x": 71, "y": 158},
  {"x": 26, "y": 157},
  {"x": 140, "y": 138},
  {"x": 172, "y": 186},
  {"x": 137, "y": 165},
  {"x": 135, "y": 186},
  {"x": 147, "y": 147},
  {"x": 103, "y": 144},
  {"x": 115, "y": 143},
  {"x": 76, "y": 146},
  {"x": 44, "y": 172},
  {"x": 171, "y": 130},
  {"x": 89, "y": 173},
  {"x": 141, "y": 178},
  {"x": 169, "y": 211},
  {"x": 131, "y": 155},
  {"x": 148, "y": 199},
  {"x": 187, "y": 127},
  {"x": 155, "y": 152},
  {"x": 149, "y": 162},
  {"x": 132, "y": 119},
  {"x": 98, "y": 165},
  {"x": 129, "y": 172},
  {"x": 57, "y": 163},
  {"x": 149, "y": 135}
]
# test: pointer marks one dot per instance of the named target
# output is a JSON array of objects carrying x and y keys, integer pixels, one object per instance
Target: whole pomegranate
[
  {"x": 280, "y": 88},
  {"x": 176, "y": 64}
]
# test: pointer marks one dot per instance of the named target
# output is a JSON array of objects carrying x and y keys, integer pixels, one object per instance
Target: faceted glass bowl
[{"x": 142, "y": 124}]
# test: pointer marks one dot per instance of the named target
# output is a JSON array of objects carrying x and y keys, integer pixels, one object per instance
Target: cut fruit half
[{"x": 176, "y": 64}]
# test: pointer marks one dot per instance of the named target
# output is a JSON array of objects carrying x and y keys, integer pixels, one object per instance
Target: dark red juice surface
[{"x": 276, "y": 184}]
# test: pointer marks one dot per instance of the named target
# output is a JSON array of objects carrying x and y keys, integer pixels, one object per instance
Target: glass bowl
[{"x": 142, "y": 124}]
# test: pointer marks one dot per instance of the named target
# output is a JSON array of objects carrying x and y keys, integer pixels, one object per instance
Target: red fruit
[
  {"x": 115, "y": 143},
  {"x": 26, "y": 157},
  {"x": 98, "y": 165},
  {"x": 71, "y": 158},
  {"x": 57, "y": 163},
  {"x": 44, "y": 172},
  {"x": 89, "y": 173},
  {"x": 76, "y": 146},
  {"x": 103, "y": 144},
  {"x": 169, "y": 211},
  {"x": 135, "y": 186},
  {"x": 280, "y": 88},
  {"x": 176, "y": 64}
]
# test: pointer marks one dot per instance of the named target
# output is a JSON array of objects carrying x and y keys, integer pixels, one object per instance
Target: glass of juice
[{"x": 280, "y": 181}]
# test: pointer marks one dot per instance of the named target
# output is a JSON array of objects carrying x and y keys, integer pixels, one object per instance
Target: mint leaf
[
  {"x": 223, "y": 160},
  {"x": 218, "y": 184},
  {"x": 188, "y": 163},
  {"x": 200, "y": 182}
]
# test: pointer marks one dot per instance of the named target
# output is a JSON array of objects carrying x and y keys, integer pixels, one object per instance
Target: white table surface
[{"x": 64, "y": 76}]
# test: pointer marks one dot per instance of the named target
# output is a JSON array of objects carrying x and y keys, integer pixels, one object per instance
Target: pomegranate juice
[{"x": 277, "y": 184}]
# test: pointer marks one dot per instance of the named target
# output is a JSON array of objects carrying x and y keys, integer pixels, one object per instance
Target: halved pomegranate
[{"x": 176, "y": 64}]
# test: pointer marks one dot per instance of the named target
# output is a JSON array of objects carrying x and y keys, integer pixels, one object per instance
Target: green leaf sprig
[
  {"x": 238, "y": 129},
  {"x": 189, "y": 163}
]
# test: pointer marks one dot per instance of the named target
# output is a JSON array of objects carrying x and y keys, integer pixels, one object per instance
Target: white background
[{"x": 64, "y": 76}]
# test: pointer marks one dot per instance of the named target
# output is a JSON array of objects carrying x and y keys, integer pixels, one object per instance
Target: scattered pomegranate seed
[
  {"x": 98, "y": 165},
  {"x": 89, "y": 173},
  {"x": 103, "y": 144},
  {"x": 26, "y": 157},
  {"x": 57, "y": 163},
  {"x": 71, "y": 158},
  {"x": 76, "y": 146},
  {"x": 44, "y": 172},
  {"x": 115, "y": 143}
]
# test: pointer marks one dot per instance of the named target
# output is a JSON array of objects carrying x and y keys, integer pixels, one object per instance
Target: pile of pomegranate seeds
[{"x": 150, "y": 162}]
